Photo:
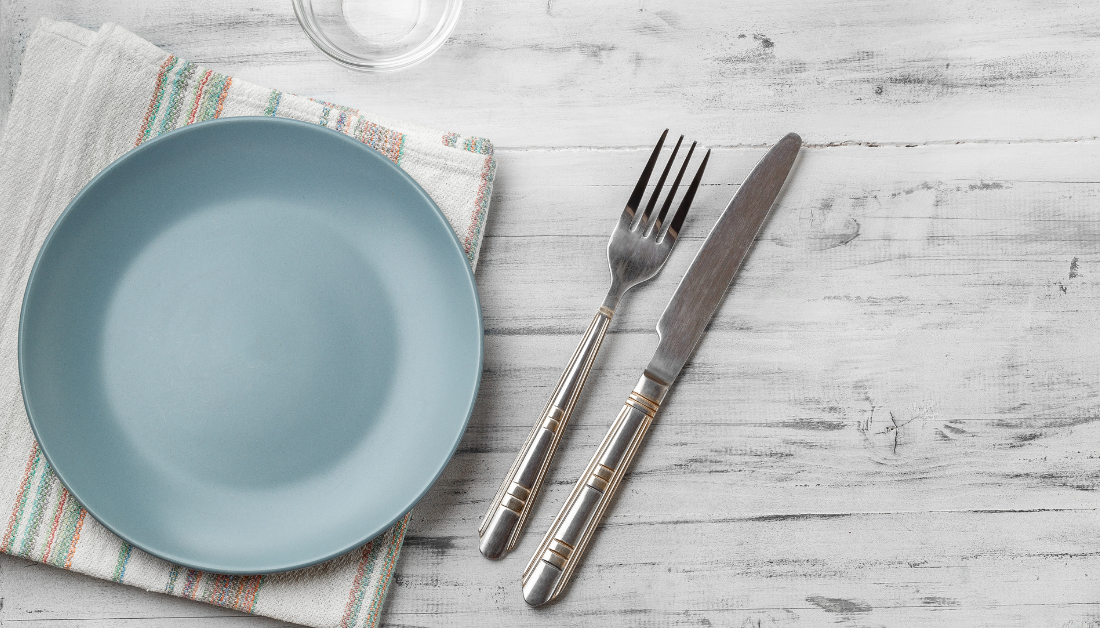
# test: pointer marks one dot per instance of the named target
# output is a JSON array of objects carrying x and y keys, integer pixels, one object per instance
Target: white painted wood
[
  {"x": 893, "y": 418},
  {"x": 576, "y": 72}
]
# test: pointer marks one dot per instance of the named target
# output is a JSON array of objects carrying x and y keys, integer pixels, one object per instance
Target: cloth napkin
[{"x": 83, "y": 99}]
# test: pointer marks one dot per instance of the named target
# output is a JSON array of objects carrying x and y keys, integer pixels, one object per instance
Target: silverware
[
  {"x": 638, "y": 248},
  {"x": 682, "y": 324}
]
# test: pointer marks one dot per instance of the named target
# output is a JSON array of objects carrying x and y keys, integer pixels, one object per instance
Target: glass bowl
[{"x": 378, "y": 35}]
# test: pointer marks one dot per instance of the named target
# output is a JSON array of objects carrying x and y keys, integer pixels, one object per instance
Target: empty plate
[{"x": 250, "y": 345}]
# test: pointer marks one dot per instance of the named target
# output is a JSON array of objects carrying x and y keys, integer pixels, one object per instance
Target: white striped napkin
[{"x": 83, "y": 99}]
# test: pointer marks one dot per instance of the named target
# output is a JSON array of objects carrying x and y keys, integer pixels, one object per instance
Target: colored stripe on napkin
[{"x": 83, "y": 99}]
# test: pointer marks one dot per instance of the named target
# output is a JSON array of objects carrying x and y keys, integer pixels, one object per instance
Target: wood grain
[
  {"x": 578, "y": 73},
  {"x": 894, "y": 418}
]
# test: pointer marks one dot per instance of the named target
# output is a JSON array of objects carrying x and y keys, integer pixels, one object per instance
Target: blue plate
[{"x": 250, "y": 345}]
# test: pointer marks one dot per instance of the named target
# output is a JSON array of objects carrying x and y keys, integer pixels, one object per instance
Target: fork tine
[
  {"x": 636, "y": 196},
  {"x": 660, "y": 184},
  {"x": 689, "y": 196},
  {"x": 672, "y": 192}
]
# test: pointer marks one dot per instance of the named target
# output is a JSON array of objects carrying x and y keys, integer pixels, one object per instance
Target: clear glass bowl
[{"x": 378, "y": 35}]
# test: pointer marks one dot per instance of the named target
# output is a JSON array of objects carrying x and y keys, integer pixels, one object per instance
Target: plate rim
[{"x": 372, "y": 153}]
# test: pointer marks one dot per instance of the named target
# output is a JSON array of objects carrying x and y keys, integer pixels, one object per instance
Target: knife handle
[
  {"x": 502, "y": 524},
  {"x": 561, "y": 550}
]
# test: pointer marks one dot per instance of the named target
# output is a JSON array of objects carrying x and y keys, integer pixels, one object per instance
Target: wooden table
[{"x": 893, "y": 420}]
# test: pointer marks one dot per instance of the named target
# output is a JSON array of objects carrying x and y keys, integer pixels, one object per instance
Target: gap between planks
[{"x": 865, "y": 143}]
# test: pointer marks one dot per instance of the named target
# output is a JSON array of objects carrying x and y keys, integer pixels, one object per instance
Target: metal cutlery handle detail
[
  {"x": 638, "y": 248},
  {"x": 508, "y": 511},
  {"x": 561, "y": 550}
]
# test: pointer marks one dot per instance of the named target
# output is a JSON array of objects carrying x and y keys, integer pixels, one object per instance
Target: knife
[{"x": 680, "y": 327}]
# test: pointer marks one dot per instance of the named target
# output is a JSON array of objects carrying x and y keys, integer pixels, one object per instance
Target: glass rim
[{"x": 351, "y": 60}]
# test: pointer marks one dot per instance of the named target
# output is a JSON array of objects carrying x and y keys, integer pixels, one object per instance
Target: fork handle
[
  {"x": 502, "y": 524},
  {"x": 561, "y": 550}
]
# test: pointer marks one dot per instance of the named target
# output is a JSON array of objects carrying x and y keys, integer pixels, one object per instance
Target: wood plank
[
  {"x": 907, "y": 569},
  {"x": 575, "y": 73},
  {"x": 857, "y": 229}
]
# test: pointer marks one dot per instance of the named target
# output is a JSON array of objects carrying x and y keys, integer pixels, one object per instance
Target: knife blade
[
  {"x": 680, "y": 327},
  {"x": 718, "y": 260}
]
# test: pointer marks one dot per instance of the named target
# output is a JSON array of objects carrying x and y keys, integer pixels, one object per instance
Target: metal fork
[{"x": 638, "y": 249}]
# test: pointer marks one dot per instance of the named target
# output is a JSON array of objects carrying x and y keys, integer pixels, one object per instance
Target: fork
[{"x": 638, "y": 249}]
